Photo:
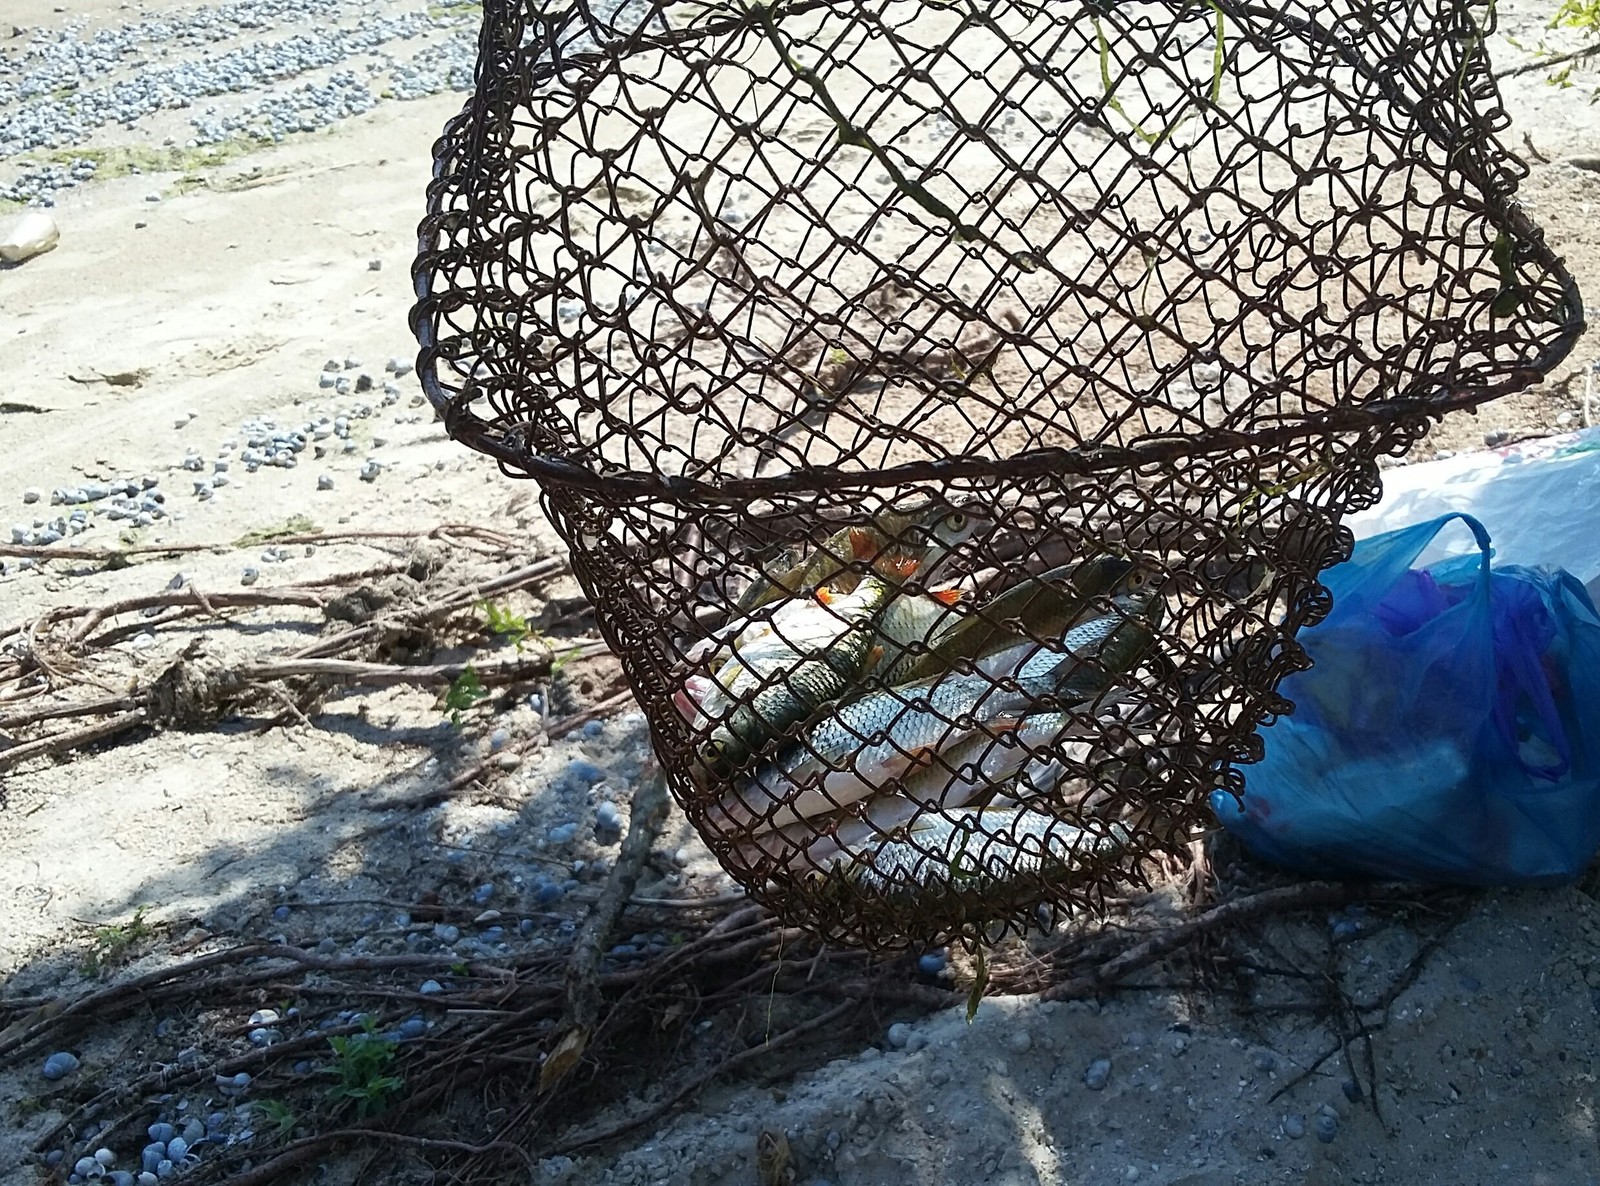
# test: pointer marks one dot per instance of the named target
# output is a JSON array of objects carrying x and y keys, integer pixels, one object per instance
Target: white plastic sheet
[{"x": 1539, "y": 499}]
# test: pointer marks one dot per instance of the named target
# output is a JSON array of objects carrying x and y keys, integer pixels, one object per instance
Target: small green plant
[
  {"x": 362, "y": 1063},
  {"x": 278, "y": 1116},
  {"x": 502, "y": 623},
  {"x": 110, "y": 944},
  {"x": 1577, "y": 14},
  {"x": 465, "y": 691}
]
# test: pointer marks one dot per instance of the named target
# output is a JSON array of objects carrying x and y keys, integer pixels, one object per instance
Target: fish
[
  {"x": 866, "y": 743},
  {"x": 1040, "y": 606},
  {"x": 952, "y": 780},
  {"x": 909, "y": 623},
  {"x": 786, "y": 635},
  {"x": 791, "y": 685},
  {"x": 766, "y": 643},
  {"x": 933, "y": 532},
  {"x": 1101, "y": 648},
  {"x": 973, "y": 851},
  {"x": 969, "y": 770},
  {"x": 879, "y": 737}
]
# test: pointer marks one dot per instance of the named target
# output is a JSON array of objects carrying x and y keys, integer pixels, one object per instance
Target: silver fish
[
  {"x": 969, "y": 852},
  {"x": 794, "y": 686},
  {"x": 969, "y": 769},
  {"x": 881, "y": 737}
]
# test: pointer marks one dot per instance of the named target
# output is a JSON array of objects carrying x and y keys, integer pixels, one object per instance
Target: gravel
[{"x": 245, "y": 71}]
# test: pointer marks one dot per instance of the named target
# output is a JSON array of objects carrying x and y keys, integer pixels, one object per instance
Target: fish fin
[
  {"x": 862, "y": 544},
  {"x": 950, "y": 596},
  {"x": 874, "y": 656},
  {"x": 899, "y": 567},
  {"x": 824, "y": 595}
]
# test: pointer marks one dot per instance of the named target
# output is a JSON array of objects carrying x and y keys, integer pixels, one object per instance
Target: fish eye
[
  {"x": 1138, "y": 578},
  {"x": 955, "y": 521}
]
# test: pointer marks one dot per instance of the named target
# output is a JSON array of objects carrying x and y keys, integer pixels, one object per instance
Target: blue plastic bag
[{"x": 1448, "y": 731}]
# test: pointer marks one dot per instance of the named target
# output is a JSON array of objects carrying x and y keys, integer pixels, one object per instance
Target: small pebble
[
  {"x": 413, "y": 1027},
  {"x": 933, "y": 963},
  {"x": 32, "y": 494},
  {"x": 374, "y": 265},
  {"x": 446, "y": 932},
  {"x": 281, "y": 914},
  {"x": 327, "y": 945},
  {"x": 607, "y": 823},
  {"x": 324, "y": 481},
  {"x": 1264, "y": 1060},
  {"x": 161, "y": 1133},
  {"x": 429, "y": 987},
  {"x": 508, "y": 761},
  {"x": 194, "y": 1132},
  {"x": 177, "y": 1149},
  {"x": 262, "y": 1017},
  {"x": 55, "y": 1157},
  {"x": 1495, "y": 436},
  {"x": 899, "y": 1035},
  {"x": 1352, "y": 1090},
  {"x": 105, "y": 1157},
  {"x": 1098, "y": 1074},
  {"x": 549, "y": 893},
  {"x": 166, "y": 1169},
  {"x": 120, "y": 1178},
  {"x": 483, "y": 893},
  {"x": 1020, "y": 1042},
  {"x": 1327, "y": 1128},
  {"x": 498, "y": 739},
  {"x": 59, "y": 1065},
  {"x": 563, "y": 833},
  {"x": 86, "y": 1166},
  {"x": 351, "y": 362},
  {"x": 250, "y": 576},
  {"x": 148, "y": 1178},
  {"x": 1294, "y": 1126}
]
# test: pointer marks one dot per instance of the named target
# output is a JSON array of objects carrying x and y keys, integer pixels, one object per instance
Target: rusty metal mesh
[{"x": 1112, "y": 303}]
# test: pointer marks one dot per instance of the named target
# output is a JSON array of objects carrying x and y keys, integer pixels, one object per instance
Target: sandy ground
[{"x": 228, "y": 300}]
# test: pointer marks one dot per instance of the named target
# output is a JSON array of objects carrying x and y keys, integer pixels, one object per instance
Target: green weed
[
  {"x": 502, "y": 623},
  {"x": 465, "y": 691},
  {"x": 279, "y": 1118},
  {"x": 362, "y": 1064},
  {"x": 110, "y": 944}
]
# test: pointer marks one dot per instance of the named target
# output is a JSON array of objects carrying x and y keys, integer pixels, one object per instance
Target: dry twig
[{"x": 583, "y": 987}]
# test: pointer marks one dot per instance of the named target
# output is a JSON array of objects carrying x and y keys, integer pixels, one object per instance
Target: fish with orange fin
[{"x": 930, "y": 533}]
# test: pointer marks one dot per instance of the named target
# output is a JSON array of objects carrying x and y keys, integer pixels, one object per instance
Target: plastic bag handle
[{"x": 1525, "y": 672}]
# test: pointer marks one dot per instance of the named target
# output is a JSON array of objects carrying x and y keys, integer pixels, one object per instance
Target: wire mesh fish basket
[{"x": 950, "y": 406}]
